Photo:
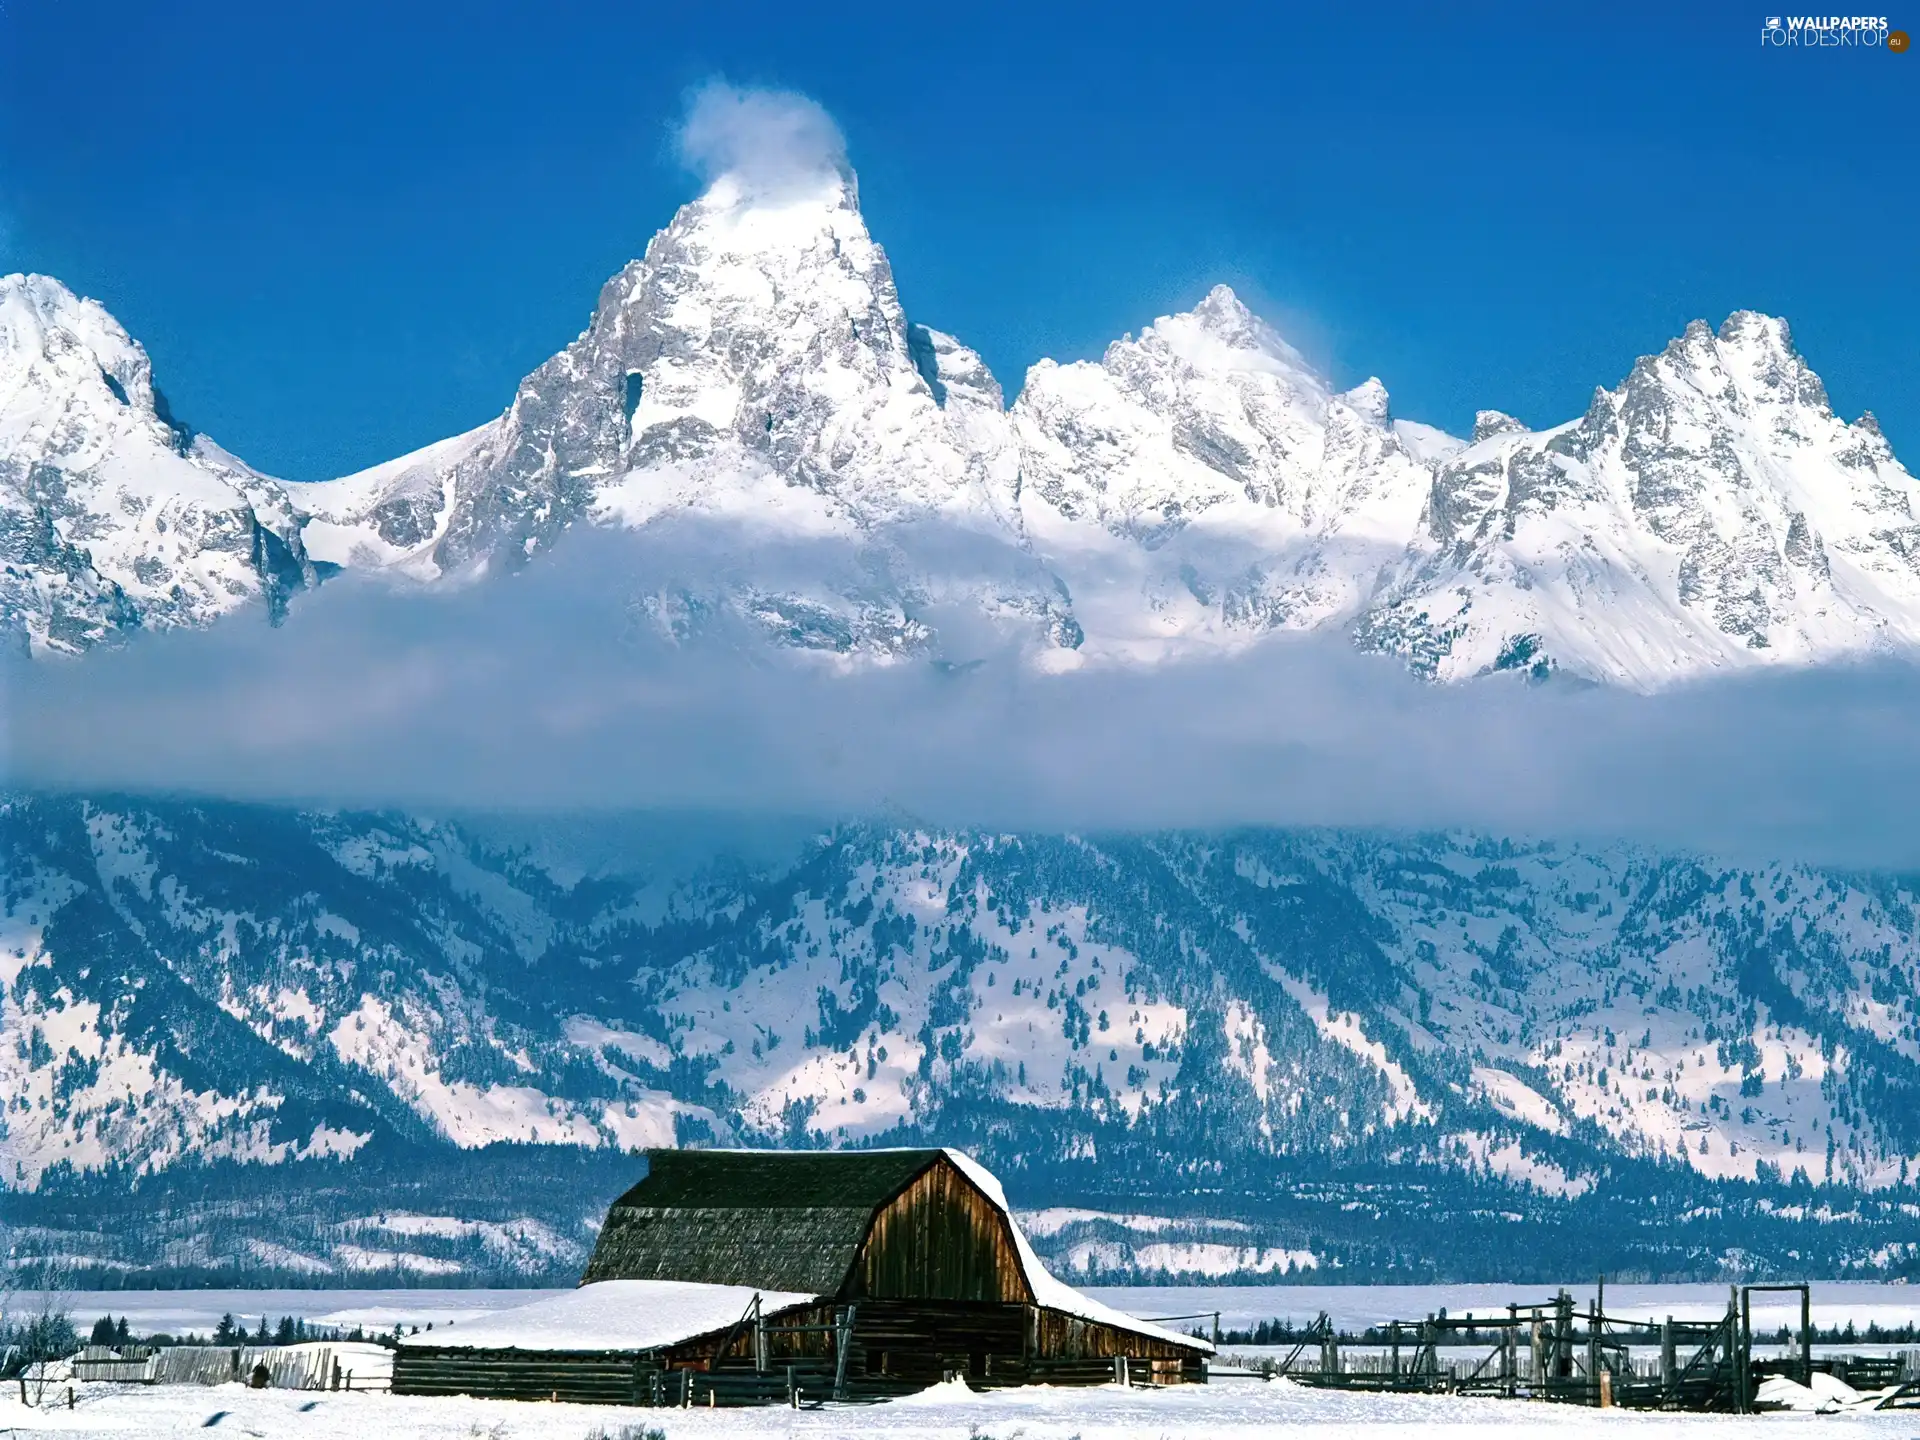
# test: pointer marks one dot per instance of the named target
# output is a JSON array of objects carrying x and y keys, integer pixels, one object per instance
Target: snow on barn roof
[
  {"x": 1057, "y": 1294},
  {"x": 611, "y": 1315}
]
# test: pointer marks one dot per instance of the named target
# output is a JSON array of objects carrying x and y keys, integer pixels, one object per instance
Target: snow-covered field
[
  {"x": 1353, "y": 1307},
  {"x": 1221, "y": 1411},
  {"x": 175, "y": 1312},
  {"x": 1227, "y": 1408}
]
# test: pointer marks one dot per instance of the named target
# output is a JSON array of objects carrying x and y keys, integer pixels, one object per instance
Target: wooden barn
[{"x": 732, "y": 1277}]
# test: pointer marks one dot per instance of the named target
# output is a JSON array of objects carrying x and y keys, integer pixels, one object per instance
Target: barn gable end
[{"x": 940, "y": 1238}]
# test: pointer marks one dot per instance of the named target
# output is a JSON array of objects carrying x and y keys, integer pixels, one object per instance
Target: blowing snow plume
[
  {"x": 549, "y": 693},
  {"x": 771, "y": 142}
]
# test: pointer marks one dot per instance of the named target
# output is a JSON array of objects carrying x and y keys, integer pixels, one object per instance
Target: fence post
[
  {"x": 1806, "y": 1335},
  {"x": 1593, "y": 1344},
  {"x": 842, "y": 1343},
  {"x": 1508, "y": 1362},
  {"x": 1559, "y": 1338},
  {"x": 1741, "y": 1321}
]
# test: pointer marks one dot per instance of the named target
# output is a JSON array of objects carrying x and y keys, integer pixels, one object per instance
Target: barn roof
[
  {"x": 793, "y": 1220},
  {"x": 776, "y": 1179},
  {"x": 623, "y": 1315}
]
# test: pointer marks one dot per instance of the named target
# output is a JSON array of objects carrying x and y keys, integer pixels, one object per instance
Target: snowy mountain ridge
[
  {"x": 1151, "y": 1016},
  {"x": 752, "y": 392}
]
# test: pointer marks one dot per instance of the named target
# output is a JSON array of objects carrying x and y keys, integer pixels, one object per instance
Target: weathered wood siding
[
  {"x": 1067, "y": 1337},
  {"x": 599, "y": 1377},
  {"x": 939, "y": 1239}
]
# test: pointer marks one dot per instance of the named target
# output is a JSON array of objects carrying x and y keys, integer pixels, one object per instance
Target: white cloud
[
  {"x": 769, "y": 141},
  {"x": 542, "y": 692}
]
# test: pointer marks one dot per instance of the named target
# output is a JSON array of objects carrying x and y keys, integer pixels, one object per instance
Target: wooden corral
[
  {"x": 916, "y": 1268},
  {"x": 1558, "y": 1352}
]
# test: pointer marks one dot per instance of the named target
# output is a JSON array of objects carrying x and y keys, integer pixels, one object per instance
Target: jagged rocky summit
[{"x": 802, "y": 458}]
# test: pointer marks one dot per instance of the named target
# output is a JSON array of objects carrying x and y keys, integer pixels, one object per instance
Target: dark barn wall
[
  {"x": 1067, "y": 1337},
  {"x": 580, "y": 1377},
  {"x": 923, "y": 1343},
  {"x": 939, "y": 1239}
]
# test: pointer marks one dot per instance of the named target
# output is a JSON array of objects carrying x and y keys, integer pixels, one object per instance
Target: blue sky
[{"x": 346, "y": 231}]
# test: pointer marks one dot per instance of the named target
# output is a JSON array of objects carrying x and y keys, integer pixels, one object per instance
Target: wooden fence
[
  {"x": 1554, "y": 1351},
  {"x": 302, "y": 1367}
]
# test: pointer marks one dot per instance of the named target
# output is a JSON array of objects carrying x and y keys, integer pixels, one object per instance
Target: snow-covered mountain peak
[
  {"x": 766, "y": 215},
  {"x": 752, "y": 387},
  {"x": 1759, "y": 352},
  {"x": 113, "y": 515},
  {"x": 1709, "y": 512},
  {"x": 36, "y": 310},
  {"x": 762, "y": 319},
  {"x": 1241, "y": 492},
  {"x": 67, "y": 366},
  {"x": 1488, "y": 423},
  {"x": 1369, "y": 400},
  {"x": 753, "y": 373},
  {"x": 1755, "y": 333},
  {"x": 1221, "y": 335}
]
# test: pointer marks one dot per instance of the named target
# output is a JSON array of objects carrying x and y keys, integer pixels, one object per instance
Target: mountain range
[
  {"x": 852, "y": 483},
  {"x": 246, "y": 1041},
  {"x": 1260, "y": 1053}
]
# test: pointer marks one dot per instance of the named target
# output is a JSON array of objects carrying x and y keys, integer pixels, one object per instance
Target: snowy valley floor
[{"x": 1222, "y": 1411}]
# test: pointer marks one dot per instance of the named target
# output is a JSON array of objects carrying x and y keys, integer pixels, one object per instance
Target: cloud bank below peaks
[
  {"x": 552, "y": 691},
  {"x": 771, "y": 143}
]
